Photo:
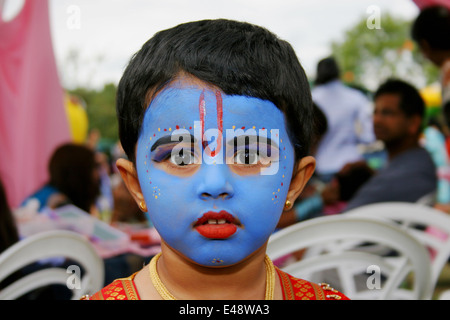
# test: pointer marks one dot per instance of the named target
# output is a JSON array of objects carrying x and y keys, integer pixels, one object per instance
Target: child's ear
[
  {"x": 303, "y": 171},
  {"x": 130, "y": 177}
]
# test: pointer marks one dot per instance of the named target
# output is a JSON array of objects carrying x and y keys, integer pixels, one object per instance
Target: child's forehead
[{"x": 187, "y": 100}]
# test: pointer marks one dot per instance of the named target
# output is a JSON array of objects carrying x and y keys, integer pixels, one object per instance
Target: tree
[
  {"x": 101, "y": 109},
  {"x": 368, "y": 56}
]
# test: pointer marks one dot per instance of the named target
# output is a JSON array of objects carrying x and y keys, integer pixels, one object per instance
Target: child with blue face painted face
[{"x": 215, "y": 117}]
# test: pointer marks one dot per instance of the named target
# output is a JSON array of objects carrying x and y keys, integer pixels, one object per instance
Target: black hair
[
  {"x": 320, "y": 123},
  {"x": 71, "y": 169},
  {"x": 433, "y": 26},
  {"x": 411, "y": 102},
  {"x": 327, "y": 70},
  {"x": 237, "y": 57},
  {"x": 351, "y": 180},
  {"x": 9, "y": 234}
]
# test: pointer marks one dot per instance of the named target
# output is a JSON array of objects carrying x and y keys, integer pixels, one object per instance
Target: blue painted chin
[{"x": 213, "y": 211}]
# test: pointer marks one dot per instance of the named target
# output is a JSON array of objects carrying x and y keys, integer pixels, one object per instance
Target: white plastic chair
[
  {"x": 411, "y": 215},
  {"x": 428, "y": 199},
  {"x": 340, "y": 240},
  {"x": 47, "y": 245}
]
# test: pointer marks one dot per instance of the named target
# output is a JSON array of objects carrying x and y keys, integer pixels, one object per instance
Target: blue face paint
[{"x": 208, "y": 196}]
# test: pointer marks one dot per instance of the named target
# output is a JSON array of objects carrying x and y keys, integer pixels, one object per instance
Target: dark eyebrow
[
  {"x": 171, "y": 139},
  {"x": 268, "y": 141}
]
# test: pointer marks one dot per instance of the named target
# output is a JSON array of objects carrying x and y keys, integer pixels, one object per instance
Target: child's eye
[
  {"x": 175, "y": 156},
  {"x": 246, "y": 157},
  {"x": 183, "y": 157}
]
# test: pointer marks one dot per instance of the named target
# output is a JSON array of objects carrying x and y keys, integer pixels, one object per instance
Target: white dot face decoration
[{"x": 214, "y": 170}]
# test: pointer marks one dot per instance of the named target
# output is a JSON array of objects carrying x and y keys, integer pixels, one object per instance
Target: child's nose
[{"x": 215, "y": 182}]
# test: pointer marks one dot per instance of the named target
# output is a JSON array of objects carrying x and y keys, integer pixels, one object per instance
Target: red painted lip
[{"x": 216, "y": 231}]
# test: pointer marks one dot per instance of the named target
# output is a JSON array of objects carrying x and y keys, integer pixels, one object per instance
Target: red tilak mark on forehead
[{"x": 202, "y": 110}]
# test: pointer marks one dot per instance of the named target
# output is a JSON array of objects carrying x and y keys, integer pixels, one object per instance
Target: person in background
[
  {"x": 410, "y": 172},
  {"x": 434, "y": 142},
  {"x": 8, "y": 229},
  {"x": 431, "y": 31},
  {"x": 349, "y": 120},
  {"x": 330, "y": 198},
  {"x": 74, "y": 179}
]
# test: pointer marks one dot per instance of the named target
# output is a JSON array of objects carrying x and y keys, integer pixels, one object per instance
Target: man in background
[{"x": 410, "y": 172}]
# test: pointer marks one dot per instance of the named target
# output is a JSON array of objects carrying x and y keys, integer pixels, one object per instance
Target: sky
[{"x": 94, "y": 39}]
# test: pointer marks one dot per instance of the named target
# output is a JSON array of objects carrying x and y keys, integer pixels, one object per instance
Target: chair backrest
[
  {"x": 430, "y": 226},
  {"x": 428, "y": 199},
  {"x": 341, "y": 240},
  {"x": 84, "y": 276}
]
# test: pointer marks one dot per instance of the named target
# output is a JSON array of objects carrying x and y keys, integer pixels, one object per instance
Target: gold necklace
[{"x": 166, "y": 295}]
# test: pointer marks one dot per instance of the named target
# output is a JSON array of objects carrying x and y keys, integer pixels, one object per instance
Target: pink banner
[
  {"x": 426, "y": 3},
  {"x": 33, "y": 119}
]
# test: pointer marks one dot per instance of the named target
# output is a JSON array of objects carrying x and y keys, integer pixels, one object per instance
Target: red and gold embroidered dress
[{"x": 293, "y": 289}]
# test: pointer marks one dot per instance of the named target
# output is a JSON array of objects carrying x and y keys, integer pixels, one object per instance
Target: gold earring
[
  {"x": 143, "y": 206},
  {"x": 287, "y": 205}
]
